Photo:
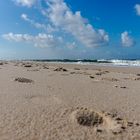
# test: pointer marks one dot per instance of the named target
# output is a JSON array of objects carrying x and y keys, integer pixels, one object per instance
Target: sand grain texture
[{"x": 70, "y": 103}]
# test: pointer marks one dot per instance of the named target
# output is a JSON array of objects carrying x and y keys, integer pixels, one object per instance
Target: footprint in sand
[
  {"x": 65, "y": 74},
  {"x": 110, "y": 79},
  {"x": 99, "y": 121},
  {"x": 45, "y": 67},
  {"x": 43, "y": 100},
  {"x": 23, "y": 80},
  {"x": 122, "y": 87},
  {"x": 101, "y": 73},
  {"x": 76, "y": 68},
  {"x": 88, "y": 118}
]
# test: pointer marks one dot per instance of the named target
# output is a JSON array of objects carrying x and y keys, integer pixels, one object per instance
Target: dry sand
[{"x": 44, "y": 101}]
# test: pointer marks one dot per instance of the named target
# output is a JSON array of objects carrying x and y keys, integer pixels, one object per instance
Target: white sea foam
[
  {"x": 104, "y": 62},
  {"x": 125, "y": 62},
  {"x": 113, "y": 62}
]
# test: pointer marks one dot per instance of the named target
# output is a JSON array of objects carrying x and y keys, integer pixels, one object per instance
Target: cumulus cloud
[
  {"x": 127, "y": 40},
  {"x": 36, "y": 24},
  {"x": 40, "y": 40},
  {"x": 48, "y": 28},
  {"x": 62, "y": 17},
  {"x": 137, "y": 8},
  {"x": 27, "y": 3}
]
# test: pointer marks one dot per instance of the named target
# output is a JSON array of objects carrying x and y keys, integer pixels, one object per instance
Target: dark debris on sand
[
  {"x": 61, "y": 69},
  {"x": 45, "y": 67},
  {"x": 92, "y": 77},
  {"x": 1, "y": 63},
  {"x": 101, "y": 73},
  {"x": 28, "y": 66}
]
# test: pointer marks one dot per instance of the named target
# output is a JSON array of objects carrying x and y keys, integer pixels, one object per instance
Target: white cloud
[
  {"x": 36, "y": 24},
  {"x": 27, "y": 3},
  {"x": 40, "y": 40},
  {"x": 137, "y": 8},
  {"x": 48, "y": 28},
  {"x": 127, "y": 40},
  {"x": 62, "y": 17},
  {"x": 24, "y": 16},
  {"x": 71, "y": 45}
]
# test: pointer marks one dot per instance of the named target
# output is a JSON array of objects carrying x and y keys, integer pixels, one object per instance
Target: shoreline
[{"x": 100, "y": 62}]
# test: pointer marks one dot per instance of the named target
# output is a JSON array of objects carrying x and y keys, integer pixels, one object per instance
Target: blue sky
[{"x": 73, "y": 29}]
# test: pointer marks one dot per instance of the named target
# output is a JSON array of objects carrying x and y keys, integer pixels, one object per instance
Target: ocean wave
[
  {"x": 126, "y": 62},
  {"x": 114, "y": 62}
]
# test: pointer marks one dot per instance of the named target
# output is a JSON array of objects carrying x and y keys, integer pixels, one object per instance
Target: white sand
[{"x": 93, "y": 103}]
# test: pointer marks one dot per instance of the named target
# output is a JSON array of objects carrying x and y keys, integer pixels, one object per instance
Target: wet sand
[{"x": 44, "y": 101}]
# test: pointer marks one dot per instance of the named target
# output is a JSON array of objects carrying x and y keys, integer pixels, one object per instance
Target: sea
[{"x": 103, "y": 62}]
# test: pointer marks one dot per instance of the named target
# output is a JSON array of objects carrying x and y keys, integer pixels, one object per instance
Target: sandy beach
[{"x": 45, "y": 101}]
